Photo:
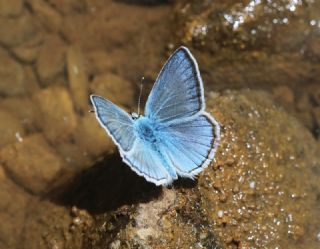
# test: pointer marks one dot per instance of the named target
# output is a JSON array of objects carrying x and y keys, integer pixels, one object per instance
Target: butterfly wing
[
  {"x": 191, "y": 135},
  {"x": 148, "y": 163},
  {"x": 137, "y": 154},
  {"x": 178, "y": 91},
  {"x": 117, "y": 123},
  {"x": 191, "y": 143}
]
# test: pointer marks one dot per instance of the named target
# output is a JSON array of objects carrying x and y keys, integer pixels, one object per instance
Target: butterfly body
[
  {"x": 176, "y": 136},
  {"x": 147, "y": 130}
]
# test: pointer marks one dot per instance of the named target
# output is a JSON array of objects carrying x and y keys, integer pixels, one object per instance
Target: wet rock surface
[
  {"x": 273, "y": 40},
  {"x": 62, "y": 182}
]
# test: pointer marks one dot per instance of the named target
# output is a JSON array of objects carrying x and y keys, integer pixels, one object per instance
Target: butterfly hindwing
[
  {"x": 191, "y": 143},
  {"x": 178, "y": 91},
  {"x": 117, "y": 123},
  {"x": 147, "y": 163}
]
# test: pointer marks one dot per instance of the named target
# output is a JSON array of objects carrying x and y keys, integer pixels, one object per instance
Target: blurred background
[{"x": 62, "y": 182}]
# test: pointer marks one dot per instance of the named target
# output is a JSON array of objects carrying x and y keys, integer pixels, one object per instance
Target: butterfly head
[{"x": 135, "y": 115}]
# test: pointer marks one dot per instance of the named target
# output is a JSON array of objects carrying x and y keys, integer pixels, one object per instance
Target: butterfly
[{"x": 176, "y": 136}]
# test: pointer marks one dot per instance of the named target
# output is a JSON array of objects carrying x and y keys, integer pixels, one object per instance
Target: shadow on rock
[
  {"x": 185, "y": 183},
  {"x": 106, "y": 186}
]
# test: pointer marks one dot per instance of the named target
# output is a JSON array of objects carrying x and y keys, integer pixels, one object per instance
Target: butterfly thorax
[{"x": 146, "y": 129}]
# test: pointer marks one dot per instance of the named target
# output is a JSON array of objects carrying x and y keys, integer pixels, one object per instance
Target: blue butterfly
[{"x": 176, "y": 137}]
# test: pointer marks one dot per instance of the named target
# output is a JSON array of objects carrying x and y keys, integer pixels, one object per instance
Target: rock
[
  {"x": 114, "y": 88},
  {"x": 315, "y": 95},
  {"x": 78, "y": 79},
  {"x": 147, "y": 2},
  {"x": 316, "y": 118},
  {"x": 12, "y": 76},
  {"x": 31, "y": 81},
  {"x": 11, "y": 128},
  {"x": 75, "y": 157},
  {"x": 13, "y": 206},
  {"x": 16, "y": 31},
  {"x": 46, "y": 15},
  {"x": 252, "y": 42},
  {"x": 22, "y": 112},
  {"x": 93, "y": 139},
  {"x": 50, "y": 226},
  {"x": 56, "y": 116},
  {"x": 11, "y": 9},
  {"x": 33, "y": 164},
  {"x": 314, "y": 48},
  {"x": 70, "y": 6},
  {"x": 28, "y": 51},
  {"x": 284, "y": 95},
  {"x": 109, "y": 50},
  {"x": 266, "y": 172},
  {"x": 51, "y": 60}
]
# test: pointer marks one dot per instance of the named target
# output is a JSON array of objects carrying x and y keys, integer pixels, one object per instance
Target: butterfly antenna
[{"x": 141, "y": 85}]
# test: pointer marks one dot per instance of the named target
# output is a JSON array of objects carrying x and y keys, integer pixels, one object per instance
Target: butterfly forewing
[
  {"x": 116, "y": 122},
  {"x": 178, "y": 91}
]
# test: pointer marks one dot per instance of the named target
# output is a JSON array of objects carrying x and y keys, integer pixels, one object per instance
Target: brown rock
[
  {"x": 46, "y": 15},
  {"x": 32, "y": 163},
  {"x": 69, "y": 6},
  {"x": 114, "y": 88},
  {"x": 244, "y": 44},
  {"x": 31, "y": 81},
  {"x": 15, "y": 31},
  {"x": 28, "y": 51},
  {"x": 11, "y": 128},
  {"x": 315, "y": 94},
  {"x": 78, "y": 79},
  {"x": 266, "y": 155},
  {"x": 316, "y": 116},
  {"x": 56, "y": 115},
  {"x": 93, "y": 139},
  {"x": 75, "y": 157},
  {"x": 314, "y": 48},
  {"x": 49, "y": 226},
  {"x": 51, "y": 60},
  {"x": 24, "y": 113},
  {"x": 11, "y": 8},
  {"x": 284, "y": 94},
  {"x": 13, "y": 206},
  {"x": 11, "y": 75}
]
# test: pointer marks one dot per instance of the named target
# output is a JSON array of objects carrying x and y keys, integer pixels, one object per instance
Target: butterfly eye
[{"x": 134, "y": 115}]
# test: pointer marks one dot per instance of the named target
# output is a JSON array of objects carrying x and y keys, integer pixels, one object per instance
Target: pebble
[
  {"x": 23, "y": 111},
  {"x": 93, "y": 140},
  {"x": 51, "y": 60},
  {"x": 13, "y": 208},
  {"x": 16, "y": 31},
  {"x": 10, "y": 8},
  {"x": 9, "y": 126},
  {"x": 114, "y": 88},
  {"x": 11, "y": 75},
  {"x": 56, "y": 117},
  {"x": 50, "y": 19},
  {"x": 78, "y": 79},
  {"x": 32, "y": 163}
]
